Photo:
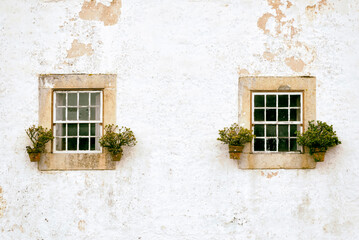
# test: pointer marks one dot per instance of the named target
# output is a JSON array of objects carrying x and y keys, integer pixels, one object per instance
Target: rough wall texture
[{"x": 178, "y": 64}]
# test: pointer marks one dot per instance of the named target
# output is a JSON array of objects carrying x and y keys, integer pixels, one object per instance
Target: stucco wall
[{"x": 178, "y": 64}]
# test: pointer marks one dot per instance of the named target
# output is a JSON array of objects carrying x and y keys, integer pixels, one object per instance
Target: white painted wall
[{"x": 178, "y": 64}]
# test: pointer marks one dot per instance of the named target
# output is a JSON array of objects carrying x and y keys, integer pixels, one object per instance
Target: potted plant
[
  {"x": 235, "y": 136},
  {"x": 113, "y": 140},
  {"x": 318, "y": 138},
  {"x": 39, "y": 136}
]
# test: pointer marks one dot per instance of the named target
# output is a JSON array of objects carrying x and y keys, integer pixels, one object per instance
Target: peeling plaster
[
  {"x": 268, "y": 56},
  {"x": 81, "y": 225},
  {"x": 296, "y": 65},
  {"x": 269, "y": 175},
  {"x": 2, "y": 204},
  {"x": 79, "y": 49},
  {"x": 99, "y": 12}
]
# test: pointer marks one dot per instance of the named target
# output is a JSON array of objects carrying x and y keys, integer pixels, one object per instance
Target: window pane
[
  {"x": 295, "y": 114},
  {"x": 271, "y": 101},
  {"x": 271, "y": 131},
  {"x": 282, "y": 100},
  {"x": 95, "y": 113},
  {"x": 283, "y": 130},
  {"x": 72, "y": 144},
  {"x": 258, "y": 114},
  {"x": 60, "y": 129},
  {"x": 72, "y": 99},
  {"x": 60, "y": 144},
  {"x": 84, "y": 129},
  {"x": 72, "y": 129},
  {"x": 293, "y": 129},
  {"x": 72, "y": 114},
  {"x": 95, "y": 99},
  {"x": 84, "y": 99},
  {"x": 293, "y": 145},
  {"x": 282, "y": 114},
  {"x": 258, "y": 144},
  {"x": 259, "y": 100},
  {"x": 84, "y": 113},
  {"x": 271, "y": 115},
  {"x": 94, "y": 144},
  {"x": 60, "y": 114},
  {"x": 83, "y": 144},
  {"x": 271, "y": 144},
  {"x": 283, "y": 145},
  {"x": 61, "y": 99},
  {"x": 295, "y": 100},
  {"x": 259, "y": 130}
]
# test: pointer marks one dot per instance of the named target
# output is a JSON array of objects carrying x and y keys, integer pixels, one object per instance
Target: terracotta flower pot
[
  {"x": 235, "y": 151},
  {"x": 34, "y": 157},
  {"x": 318, "y": 155},
  {"x": 116, "y": 157}
]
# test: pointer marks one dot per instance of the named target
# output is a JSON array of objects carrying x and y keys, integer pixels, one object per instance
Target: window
[
  {"x": 277, "y": 116},
  {"x": 77, "y": 121},
  {"x": 76, "y": 107},
  {"x": 274, "y": 108}
]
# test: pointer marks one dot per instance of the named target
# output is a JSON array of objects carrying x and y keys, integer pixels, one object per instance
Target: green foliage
[
  {"x": 235, "y": 135},
  {"x": 39, "y": 136},
  {"x": 319, "y": 135},
  {"x": 114, "y": 141}
]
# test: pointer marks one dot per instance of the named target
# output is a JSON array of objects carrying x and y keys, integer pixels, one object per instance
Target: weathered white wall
[{"x": 178, "y": 64}]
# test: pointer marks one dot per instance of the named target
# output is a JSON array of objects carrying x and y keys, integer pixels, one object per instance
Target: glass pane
[
  {"x": 72, "y": 114},
  {"x": 95, "y": 113},
  {"x": 60, "y": 114},
  {"x": 95, "y": 129},
  {"x": 293, "y": 145},
  {"x": 84, "y": 129},
  {"x": 83, "y": 144},
  {"x": 60, "y": 129},
  {"x": 271, "y": 115},
  {"x": 282, "y": 100},
  {"x": 84, "y": 113},
  {"x": 259, "y": 130},
  {"x": 258, "y": 114},
  {"x": 258, "y": 144},
  {"x": 72, "y": 99},
  {"x": 94, "y": 144},
  {"x": 60, "y": 99},
  {"x": 60, "y": 144},
  {"x": 271, "y": 101},
  {"x": 259, "y": 100},
  {"x": 271, "y": 144},
  {"x": 271, "y": 131},
  {"x": 283, "y": 130},
  {"x": 72, "y": 144},
  {"x": 295, "y": 100},
  {"x": 283, "y": 145},
  {"x": 295, "y": 114},
  {"x": 293, "y": 129},
  {"x": 282, "y": 114},
  {"x": 84, "y": 99},
  {"x": 95, "y": 99},
  {"x": 72, "y": 129}
]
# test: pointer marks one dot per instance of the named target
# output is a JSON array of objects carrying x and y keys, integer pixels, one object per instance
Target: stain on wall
[
  {"x": 296, "y": 65},
  {"x": 81, "y": 225},
  {"x": 2, "y": 204},
  {"x": 79, "y": 49},
  {"x": 99, "y": 12}
]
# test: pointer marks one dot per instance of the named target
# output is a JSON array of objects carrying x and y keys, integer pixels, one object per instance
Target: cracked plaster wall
[{"x": 178, "y": 64}]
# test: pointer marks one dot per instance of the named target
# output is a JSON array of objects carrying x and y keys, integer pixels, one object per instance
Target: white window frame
[
  {"x": 265, "y": 123},
  {"x": 100, "y": 122}
]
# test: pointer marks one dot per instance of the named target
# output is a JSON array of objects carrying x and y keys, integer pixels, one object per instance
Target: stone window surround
[
  {"x": 48, "y": 83},
  {"x": 249, "y": 84}
]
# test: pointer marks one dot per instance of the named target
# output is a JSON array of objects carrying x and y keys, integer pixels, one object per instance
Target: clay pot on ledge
[
  {"x": 117, "y": 157},
  {"x": 34, "y": 157},
  {"x": 235, "y": 151},
  {"x": 318, "y": 155}
]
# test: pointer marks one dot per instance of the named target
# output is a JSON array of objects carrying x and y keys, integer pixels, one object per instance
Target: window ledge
[
  {"x": 276, "y": 161},
  {"x": 76, "y": 161}
]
